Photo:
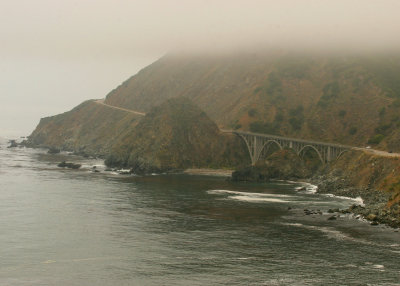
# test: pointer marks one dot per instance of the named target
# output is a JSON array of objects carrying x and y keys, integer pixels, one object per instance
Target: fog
[{"x": 58, "y": 53}]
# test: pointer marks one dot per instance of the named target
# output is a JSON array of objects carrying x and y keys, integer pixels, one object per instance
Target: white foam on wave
[
  {"x": 216, "y": 192},
  {"x": 330, "y": 233},
  {"x": 252, "y": 197},
  {"x": 255, "y": 199},
  {"x": 307, "y": 188},
  {"x": 378, "y": 266},
  {"x": 357, "y": 200}
]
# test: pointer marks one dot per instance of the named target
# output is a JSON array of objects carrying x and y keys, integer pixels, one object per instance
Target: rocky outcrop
[
  {"x": 173, "y": 136},
  {"x": 13, "y": 144},
  {"x": 90, "y": 129}
]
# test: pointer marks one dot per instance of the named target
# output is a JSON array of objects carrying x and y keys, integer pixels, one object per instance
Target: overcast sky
[{"x": 54, "y": 54}]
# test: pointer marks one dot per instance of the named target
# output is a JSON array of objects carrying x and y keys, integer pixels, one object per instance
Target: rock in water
[
  {"x": 54, "y": 151},
  {"x": 13, "y": 144},
  {"x": 69, "y": 165}
]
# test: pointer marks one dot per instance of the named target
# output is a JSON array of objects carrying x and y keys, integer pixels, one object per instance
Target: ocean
[{"x": 79, "y": 227}]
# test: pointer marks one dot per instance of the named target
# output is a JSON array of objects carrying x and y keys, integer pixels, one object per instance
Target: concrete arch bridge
[{"x": 257, "y": 143}]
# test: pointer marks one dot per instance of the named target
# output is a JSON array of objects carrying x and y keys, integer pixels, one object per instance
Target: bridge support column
[{"x": 328, "y": 154}]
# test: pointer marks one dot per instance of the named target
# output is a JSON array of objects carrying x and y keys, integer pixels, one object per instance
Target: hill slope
[
  {"x": 349, "y": 100},
  {"x": 176, "y": 135}
]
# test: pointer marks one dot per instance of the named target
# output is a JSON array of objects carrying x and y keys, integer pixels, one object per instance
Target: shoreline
[
  {"x": 372, "y": 208},
  {"x": 369, "y": 204},
  {"x": 209, "y": 172},
  {"x": 374, "y": 202}
]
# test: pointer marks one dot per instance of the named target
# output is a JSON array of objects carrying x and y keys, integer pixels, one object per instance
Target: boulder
[{"x": 372, "y": 217}]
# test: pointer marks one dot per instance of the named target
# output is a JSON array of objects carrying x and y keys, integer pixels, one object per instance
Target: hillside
[
  {"x": 345, "y": 99},
  {"x": 176, "y": 135},
  {"x": 89, "y": 128}
]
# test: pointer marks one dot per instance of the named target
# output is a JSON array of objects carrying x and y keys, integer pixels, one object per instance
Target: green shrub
[
  {"x": 297, "y": 117},
  {"x": 252, "y": 112},
  {"x": 274, "y": 84},
  {"x": 353, "y": 130},
  {"x": 329, "y": 92},
  {"x": 237, "y": 126},
  {"x": 279, "y": 116},
  {"x": 382, "y": 111},
  {"x": 263, "y": 127},
  {"x": 376, "y": 139},
  {"x": 257, "y": 89},
  {"x": 296, "y": 123},
  {"x": 381, "y": 129},
  {"x": 395, "y": 103}
]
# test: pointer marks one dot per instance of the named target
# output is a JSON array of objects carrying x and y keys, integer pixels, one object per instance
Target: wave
[
  {"x": 252, "y": 197},
  {"x": 247, "y": 193},
  {"x": 255, "y": 199},
  {"x": 357, "y": 200},
  {"x": 330, "y": 233},
  {"x": 307, "y": 188}
]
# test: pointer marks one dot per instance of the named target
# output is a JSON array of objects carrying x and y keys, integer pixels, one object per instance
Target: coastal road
[
  {"x": 377, "y": 152},
  {"x": 101, "y": 101}
]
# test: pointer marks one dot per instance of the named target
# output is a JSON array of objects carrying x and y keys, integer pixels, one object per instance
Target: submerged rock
[
  {"x": 53, "y": 151},
  {"x": 13, "y": 144},
  {"x": 69, "y": 165}
]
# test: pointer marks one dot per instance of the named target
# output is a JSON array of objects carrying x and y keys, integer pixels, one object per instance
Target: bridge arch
[
  {"x": 313, "y": 148},
  {"x": 341, "y": 153},
  {"x": 247, "y": 144},
  {"x": 267, "y": 144}
]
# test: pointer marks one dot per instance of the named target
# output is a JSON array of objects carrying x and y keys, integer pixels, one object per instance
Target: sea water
[{"x": 78, "y": 227}]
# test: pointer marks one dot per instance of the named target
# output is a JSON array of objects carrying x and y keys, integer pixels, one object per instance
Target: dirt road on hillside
[{"x": 101, "y": 101}]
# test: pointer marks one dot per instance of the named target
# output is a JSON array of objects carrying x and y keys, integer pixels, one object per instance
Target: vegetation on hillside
[
  {"x": 341, "y": 99},
  {"x": 176, "y": 135}
]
